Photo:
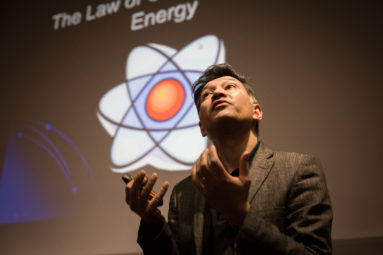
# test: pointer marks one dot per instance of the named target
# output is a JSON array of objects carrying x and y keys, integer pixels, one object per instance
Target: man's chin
[{"x": 223, "y": 118}]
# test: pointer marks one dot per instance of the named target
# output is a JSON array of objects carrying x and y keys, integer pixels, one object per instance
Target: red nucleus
[{"x": 165, "y": 99}]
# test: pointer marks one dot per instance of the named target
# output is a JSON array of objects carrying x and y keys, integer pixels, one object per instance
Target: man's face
[{"x": 225, "y": 99}]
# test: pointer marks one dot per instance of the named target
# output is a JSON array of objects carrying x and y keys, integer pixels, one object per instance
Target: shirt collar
[{"x": 251, "y": 157}]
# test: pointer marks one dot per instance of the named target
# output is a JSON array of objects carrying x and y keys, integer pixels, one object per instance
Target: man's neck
[{"x": 232, "y": 146}]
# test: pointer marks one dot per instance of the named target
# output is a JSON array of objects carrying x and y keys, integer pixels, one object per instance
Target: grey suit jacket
[{"x": 290, "y": 211}]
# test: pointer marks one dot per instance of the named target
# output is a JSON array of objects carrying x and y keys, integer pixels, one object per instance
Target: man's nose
[{"x": 218, "y": 93}]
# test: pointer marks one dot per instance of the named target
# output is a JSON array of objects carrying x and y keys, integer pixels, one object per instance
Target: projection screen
[{"x": 95, "y": 89}]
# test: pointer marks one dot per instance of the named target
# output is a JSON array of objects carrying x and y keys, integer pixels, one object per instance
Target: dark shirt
[{"x": 218, "y": 234}]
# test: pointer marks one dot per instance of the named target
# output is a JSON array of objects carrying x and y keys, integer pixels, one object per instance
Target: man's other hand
[
  {"x": 137, "y": 193},
  {"x": 226, "y": 193}
]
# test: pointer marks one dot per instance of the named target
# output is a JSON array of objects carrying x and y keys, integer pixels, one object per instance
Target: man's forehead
[{"x": 221, "y": 80}]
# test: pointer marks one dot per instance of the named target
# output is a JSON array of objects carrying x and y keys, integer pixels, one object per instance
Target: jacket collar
[
  {"x": 198, "y": 221},
  {"x": 259, "y": 169}
]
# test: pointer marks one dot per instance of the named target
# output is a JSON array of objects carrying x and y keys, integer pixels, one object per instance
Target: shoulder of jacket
[{"x": 289, "y": 157}]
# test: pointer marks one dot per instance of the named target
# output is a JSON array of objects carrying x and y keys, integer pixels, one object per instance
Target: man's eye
[
  {"x": 229, "y": 86},
  {"x": 204, "y": 95}
]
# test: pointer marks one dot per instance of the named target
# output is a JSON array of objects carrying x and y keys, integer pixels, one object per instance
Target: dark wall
[{"x": 315, "y": 66}]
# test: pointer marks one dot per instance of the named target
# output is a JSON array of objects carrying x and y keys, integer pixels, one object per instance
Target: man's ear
[
  {"x": 203, "y": 131},
  {"x": 257, "y": 112}
]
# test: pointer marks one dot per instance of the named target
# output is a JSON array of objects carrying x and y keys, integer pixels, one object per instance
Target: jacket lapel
[
  {"x": 198, "y": 222},
  {"x": 259, "y": 169}
]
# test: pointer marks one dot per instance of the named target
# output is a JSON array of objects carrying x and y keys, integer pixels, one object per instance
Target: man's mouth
[{"x": 219, "y": 103}]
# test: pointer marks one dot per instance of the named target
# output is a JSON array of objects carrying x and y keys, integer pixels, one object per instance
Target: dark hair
[{"x": 216, "y": 71}]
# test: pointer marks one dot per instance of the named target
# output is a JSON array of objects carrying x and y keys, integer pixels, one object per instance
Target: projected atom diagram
[{"x": 151, "y": 116}]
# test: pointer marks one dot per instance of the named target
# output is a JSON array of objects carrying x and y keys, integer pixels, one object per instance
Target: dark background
[{"x": 315, "y": 66}]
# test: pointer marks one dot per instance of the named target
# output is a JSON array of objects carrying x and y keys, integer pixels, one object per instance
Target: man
[{"x": 242, "y": 197}]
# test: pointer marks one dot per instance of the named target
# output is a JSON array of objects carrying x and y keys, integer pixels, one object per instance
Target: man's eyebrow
[
  {"x": 228, "y": 80},
  {"x": 204, "y": 88},
  {"x": 232, "y": 79}
]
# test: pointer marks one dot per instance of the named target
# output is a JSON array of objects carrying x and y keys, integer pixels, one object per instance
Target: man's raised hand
[{"x": 226, "y": 193}]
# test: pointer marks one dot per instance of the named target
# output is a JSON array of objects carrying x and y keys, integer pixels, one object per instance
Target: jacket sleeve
[
  {"x": 307, "y": 218},
  {"x": 160, "y": 239}
]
